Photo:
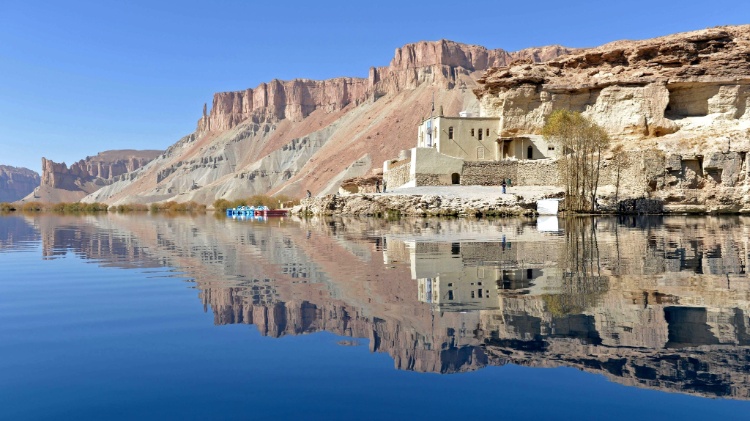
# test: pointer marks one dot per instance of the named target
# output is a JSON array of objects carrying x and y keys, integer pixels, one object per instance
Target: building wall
[
  {"x": 521, "y": 173},
  {"x": 518, "y": 148},
  {"x": 464, "y": 145},
  {"x": 488, "y": 173},
  {"x": 431, "y": 168},
  {"x": 398, "y": 176},
  {"x": 543, "y": 172}
]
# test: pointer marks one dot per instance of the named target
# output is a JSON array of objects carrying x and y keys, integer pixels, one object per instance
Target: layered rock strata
[
  {"x": 62, "y": 183},
  {"x": 298, "y": 135},
  {"x": 16, "y": 182},
  {"x": 683, "y": 97}
]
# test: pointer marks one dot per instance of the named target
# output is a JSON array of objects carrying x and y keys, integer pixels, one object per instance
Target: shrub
[
  {"x": 77, "y": 207},
  {"x": 131, "y": 207},
  {"x": 32, "y": 207},
  {"x": 172, "y": 206}
]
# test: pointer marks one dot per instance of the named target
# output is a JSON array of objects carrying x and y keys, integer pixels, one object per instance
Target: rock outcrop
[
  {"x": 365, "y": 204},
  {"x": 298, "y": 135},
  {"x": 62, "y": 183},
  {"x": 16, "y": 182},
  {"x": 685, "y": 97}
]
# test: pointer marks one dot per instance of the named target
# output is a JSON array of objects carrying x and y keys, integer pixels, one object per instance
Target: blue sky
[{"x": 80, "y": 77}]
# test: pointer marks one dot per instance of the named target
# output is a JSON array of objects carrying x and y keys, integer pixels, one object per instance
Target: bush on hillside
[{"x": 172, "y": 206}]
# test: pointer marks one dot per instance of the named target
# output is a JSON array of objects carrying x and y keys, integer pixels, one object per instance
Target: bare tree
[
  {"x": 620, "y": 161},
  {"x": 582, "y": 143}
]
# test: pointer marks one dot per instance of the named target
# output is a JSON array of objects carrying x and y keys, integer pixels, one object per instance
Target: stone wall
[
  {"x": 489, "y": 173},
  {"x": 398, "y": 176},
  {"x": 541, "y": 172},
  {"x": 431, "y": 180}
]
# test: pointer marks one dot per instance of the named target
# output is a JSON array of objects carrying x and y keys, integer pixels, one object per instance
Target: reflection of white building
[{"x": 462, "y": 276}]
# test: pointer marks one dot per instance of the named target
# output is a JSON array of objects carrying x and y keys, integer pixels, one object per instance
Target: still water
[{"x": 133, "y": 317}]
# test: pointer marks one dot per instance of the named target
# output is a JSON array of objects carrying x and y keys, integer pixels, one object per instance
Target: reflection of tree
[{"x": 582, "y": 283}]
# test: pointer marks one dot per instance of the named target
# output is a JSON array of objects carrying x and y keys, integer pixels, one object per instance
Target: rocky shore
[{"x": 432, "y": 201}]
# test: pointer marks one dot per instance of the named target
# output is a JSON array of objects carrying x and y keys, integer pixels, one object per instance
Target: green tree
[{"x": 581, "y": 142}]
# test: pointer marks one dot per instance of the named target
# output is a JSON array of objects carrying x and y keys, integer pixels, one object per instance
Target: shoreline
[{"x": 482, "y": 201}]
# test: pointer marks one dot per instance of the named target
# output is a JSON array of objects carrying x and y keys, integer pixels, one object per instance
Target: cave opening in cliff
[{"x": 689, "y": 101}]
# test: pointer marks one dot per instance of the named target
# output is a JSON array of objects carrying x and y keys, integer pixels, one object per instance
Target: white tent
[{"x": 547, "y": 206}]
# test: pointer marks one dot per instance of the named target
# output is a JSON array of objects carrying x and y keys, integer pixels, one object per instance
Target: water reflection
[{"x": 652, "y": 302}]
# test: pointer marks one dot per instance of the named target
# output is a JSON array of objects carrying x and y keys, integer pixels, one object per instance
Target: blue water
[{"x": 81, "y": 338}]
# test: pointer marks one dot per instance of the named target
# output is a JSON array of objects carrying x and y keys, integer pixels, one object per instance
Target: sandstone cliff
[
  {"x": 60, "y": 183},
  {"x": 291, "y": 136},
  {"x": 16, "y": 182},
  {"x": 678, "y": 104}
]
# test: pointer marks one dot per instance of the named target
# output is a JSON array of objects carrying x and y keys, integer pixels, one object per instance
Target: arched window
[
  {"x": 450, "y": 132},
  {"x": 530, "y": 153},
  {"x": 455, "y": 178},
  {"x": 480, "y": 134},
  {"x": 472, "y": 132}
]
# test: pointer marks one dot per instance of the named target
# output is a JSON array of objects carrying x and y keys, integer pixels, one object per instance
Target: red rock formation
[
  {"x": 15, "y": 182},
  {"x": 60, "y": 183},
  {"x": 105, "y": 165},
  {"x": 296, "y": 99},
  {"x": 290, "y": 136}
]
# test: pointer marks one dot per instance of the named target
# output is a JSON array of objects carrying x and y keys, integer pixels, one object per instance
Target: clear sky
[{"x": 80, "y": 77}]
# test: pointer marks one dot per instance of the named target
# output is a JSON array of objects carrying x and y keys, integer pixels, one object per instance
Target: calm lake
[{"x": 151, "y": 317}]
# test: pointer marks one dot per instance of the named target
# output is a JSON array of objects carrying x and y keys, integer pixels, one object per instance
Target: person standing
[
  {"x": 384, "y": 184},
  {"x": 503, "y": 184},
  {"x": 377, "y": 186}
]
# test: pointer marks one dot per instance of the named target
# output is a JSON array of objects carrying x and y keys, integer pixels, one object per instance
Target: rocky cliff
[
  {"x": 291, "y": 136},
  {"x": 67, "y": 184},
  {"x": 681, "y": 101},
  {"x": 16, "y": 182}
]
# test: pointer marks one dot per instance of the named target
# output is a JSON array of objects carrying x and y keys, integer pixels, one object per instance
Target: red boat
[{"x": 274, "y": 212}]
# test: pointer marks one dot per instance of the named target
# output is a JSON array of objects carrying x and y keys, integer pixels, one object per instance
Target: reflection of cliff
[
  {"x": 659, "y": 303},
  {"x": 15, "y": 233}
]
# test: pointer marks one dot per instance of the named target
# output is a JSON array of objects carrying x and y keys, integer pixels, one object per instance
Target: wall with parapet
[{"x": 431, "y": 168}]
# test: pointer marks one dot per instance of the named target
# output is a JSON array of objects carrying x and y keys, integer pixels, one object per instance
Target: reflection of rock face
[
  {"x": 15, "y": 183},
  {"x": 658, "y": 303}
]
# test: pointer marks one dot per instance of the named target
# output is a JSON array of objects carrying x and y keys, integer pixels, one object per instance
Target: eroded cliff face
[
  {"x": 62, "y": 183},
  {"x": 684, "y": 97},
  {"x": 291, "y": 136},
  {"x": 16, "y": 182}
]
